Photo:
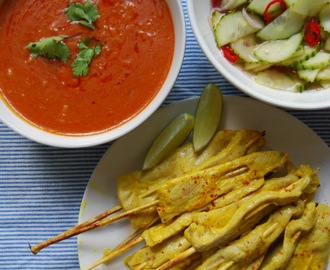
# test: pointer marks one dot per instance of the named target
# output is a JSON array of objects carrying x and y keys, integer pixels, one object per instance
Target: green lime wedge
[
  {"x": 208, "y": 115},
  {"x": 169, "y": 139}
]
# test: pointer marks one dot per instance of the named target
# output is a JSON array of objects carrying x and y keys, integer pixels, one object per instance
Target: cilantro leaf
[
  {"x": 80, "y": 65},
  {"x": 85, "y": 14},
  {"x": 51, "y": 47}
]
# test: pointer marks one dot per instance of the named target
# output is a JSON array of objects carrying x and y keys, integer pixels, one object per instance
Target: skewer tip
[{"x": 33, "y": 249}]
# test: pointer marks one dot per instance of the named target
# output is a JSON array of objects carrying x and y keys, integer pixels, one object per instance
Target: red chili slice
[
  {"x": 216, "y": 3},
  {"x": 269, "y": 17},
  {"x": 229, "y": 54},
  {"x": 312, "y": 33}
]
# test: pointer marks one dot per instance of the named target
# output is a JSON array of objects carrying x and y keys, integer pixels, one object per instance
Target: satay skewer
[
  {"x": 125, "y": 246},
  {"x": 223, "y": 171},
  {"x": 209, "y": 163},
  {"x": 270, "y": 230},
  {"x": 131, "y": 241},
  {"x": 113, "y": 254},
  {"x": 246, "y": 215},
  {"x": 95, "y": 222},
  {"x": 234, "y": 173},
  {"x": 91, "y": 224}
]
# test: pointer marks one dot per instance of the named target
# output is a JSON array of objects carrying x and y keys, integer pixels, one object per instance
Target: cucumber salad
[{"x": 284, "y": 44}]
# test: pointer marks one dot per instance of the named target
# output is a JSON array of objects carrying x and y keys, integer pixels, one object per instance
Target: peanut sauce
[{"x": 137, "y": 48}]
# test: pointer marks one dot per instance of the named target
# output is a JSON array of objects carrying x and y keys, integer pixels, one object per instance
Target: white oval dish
[{"x": 127, "y": 154}]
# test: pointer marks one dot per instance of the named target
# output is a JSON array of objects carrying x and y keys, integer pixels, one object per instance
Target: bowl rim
[
  {"x": 17, "y": 123},
  {"x": 242, "y": 81}
]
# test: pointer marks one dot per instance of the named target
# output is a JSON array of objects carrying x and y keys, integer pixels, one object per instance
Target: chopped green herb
[
  {"x": 51, "y": 47},
  {"x": 84, "y": 14},
  {"x": 80, "y": 65}
]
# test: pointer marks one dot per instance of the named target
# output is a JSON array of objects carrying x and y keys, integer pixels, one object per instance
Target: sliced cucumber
[
  {"x": 301, "y": 56},
  {"x": 244, "y": 48},
  {"x": 279, "y": 43},
  {"x": 259, "y": 6},
  {"x": 275, "y": 51},
  {"x": 215, "y": 18},
  {"x": 319, "y": 61},
  {"x": 231, "y": 27},
  {"x": 289, "y": 3},
  {"x": 308, "y": 7},
  {"x": 324, "y": 74},
  {"x": 325, "y": 84},
  {"x": 299, "y": 53},
  {"x": 256, "y": 67},
  {"x": 284, "y": 26},
  {"x": 326, "y": 45},
  {"x": 324, "y": 17},
  {"x": 230, "y": 5},
  {"x": 279, "y": 80},
  {"x": 308, "y": 75}
]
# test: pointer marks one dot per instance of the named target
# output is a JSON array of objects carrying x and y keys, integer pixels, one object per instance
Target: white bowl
[
  {"x": 8, "y": 117},
  {"x": 199, "y": 12}
]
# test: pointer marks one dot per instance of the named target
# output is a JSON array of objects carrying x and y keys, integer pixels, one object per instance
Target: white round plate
[{"x": 283, "y": 132}]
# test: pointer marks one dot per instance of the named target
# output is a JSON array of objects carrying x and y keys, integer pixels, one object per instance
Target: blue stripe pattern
[{"x": 41, "y": 187}]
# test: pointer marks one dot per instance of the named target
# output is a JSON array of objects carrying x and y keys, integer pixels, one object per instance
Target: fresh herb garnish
[
  {"x": 51, "y": 47},
  {"x": 54, "y": 47},
  {"x": 80, "y": 65},
  {"x": 84, "y": 14}
]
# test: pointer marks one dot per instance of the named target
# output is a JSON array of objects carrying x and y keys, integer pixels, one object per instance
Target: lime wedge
[
  {"x": 208, "y": 115},
  {"x": 169, "y": 139}
]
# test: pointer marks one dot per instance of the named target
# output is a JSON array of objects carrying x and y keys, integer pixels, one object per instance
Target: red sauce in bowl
[{"x": 137, "y": 49}]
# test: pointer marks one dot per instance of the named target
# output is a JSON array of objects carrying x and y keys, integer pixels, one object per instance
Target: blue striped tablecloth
[{"x": 41, "y": 187}]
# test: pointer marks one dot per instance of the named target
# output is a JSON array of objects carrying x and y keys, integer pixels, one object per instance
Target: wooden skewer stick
[
  {"x": 90, "y": 226},
  {"x": 134, "y": 239},
  {"x": 116, "y": 252},
  {"x": 141, "y": 266},
  {"x": 176, "y": 260},
  {"x": 255, "y": 139},
  {"x": 100, "y": 216},
  {"x": 66, "y": 234},
  {"x": 270, "y": 230},
  {"x": 127, "y": 213},
  {"x": 168, "y": 265},
  {"x": 227, "y": 265}
]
